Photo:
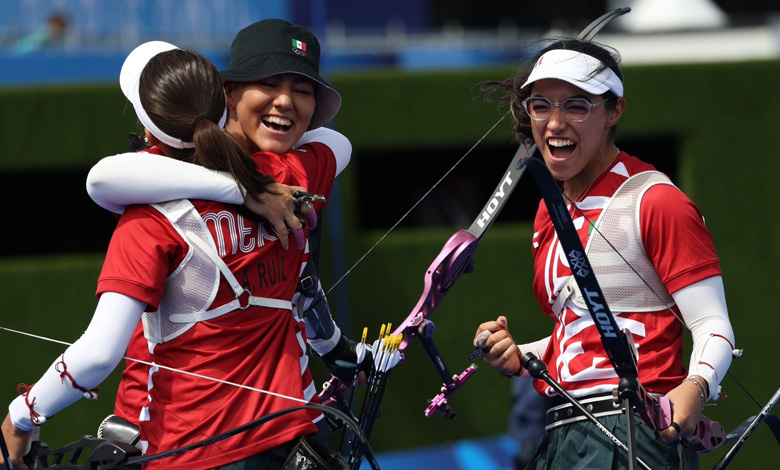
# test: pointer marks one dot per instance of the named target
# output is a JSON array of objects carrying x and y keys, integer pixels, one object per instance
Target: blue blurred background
[{"x": 56, "y": 41}]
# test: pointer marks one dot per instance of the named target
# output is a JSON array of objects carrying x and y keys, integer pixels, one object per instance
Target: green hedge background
[{"x": 724, "y": 115}]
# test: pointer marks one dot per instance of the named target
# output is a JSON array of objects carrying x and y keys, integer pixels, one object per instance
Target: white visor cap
[
  {"x": 129, "y": 82},
  {"x": 578, "y": 69}
]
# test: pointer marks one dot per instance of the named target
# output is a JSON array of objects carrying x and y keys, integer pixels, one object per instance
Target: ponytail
[
  {"x": 216, "y": 149},
  {"x": 181, "y": 91}
]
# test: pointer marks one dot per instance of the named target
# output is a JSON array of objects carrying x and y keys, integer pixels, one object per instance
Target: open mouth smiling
[
  {"x": 561, "y": 147},
  {"x": 277, "y": 123}
]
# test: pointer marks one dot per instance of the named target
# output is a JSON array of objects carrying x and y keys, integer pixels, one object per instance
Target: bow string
[{"x": 107, "y": 454}]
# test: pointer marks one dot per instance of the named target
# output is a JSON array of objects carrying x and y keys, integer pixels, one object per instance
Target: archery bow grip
[
  {"x": 454, "y": 259},
  {"x": 707, "y": 436}
]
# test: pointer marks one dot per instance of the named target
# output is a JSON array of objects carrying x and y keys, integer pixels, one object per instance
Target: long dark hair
[
  {"x": 182, "y": 93},
  {"x": 510, "y": 91}
]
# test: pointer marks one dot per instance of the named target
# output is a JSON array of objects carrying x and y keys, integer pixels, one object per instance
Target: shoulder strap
[
  {"x": 184, "y": 304},
  {"x": 627, "y": 276},
  {"x": 235, "y": 304}
]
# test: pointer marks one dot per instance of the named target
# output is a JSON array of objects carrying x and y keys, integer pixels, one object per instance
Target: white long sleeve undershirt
[
  {"x": 538, "y": 348},
  {"x": 118, "y": 181},
  {"x": 89, "y": 360},
  {"x": 703, "y": 307}
]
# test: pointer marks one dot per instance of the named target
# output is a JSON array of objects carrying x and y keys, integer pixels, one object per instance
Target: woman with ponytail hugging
[
  {"x": 278, "y": 105},
  {"x": 211, "y": 283}
]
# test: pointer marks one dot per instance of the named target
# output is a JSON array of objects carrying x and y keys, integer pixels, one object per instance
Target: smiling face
[
  {"x": 575, "y": 152},
  {"x": 271, "y": 114}
]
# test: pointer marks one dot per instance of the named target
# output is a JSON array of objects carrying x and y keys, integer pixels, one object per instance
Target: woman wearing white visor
[
  {"x": 211, "y": 284},
  {"x": 568, "y": 100}
]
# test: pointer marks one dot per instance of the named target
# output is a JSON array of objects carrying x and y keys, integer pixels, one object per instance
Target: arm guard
[
  {"x": 322, "y": 333},
  {"x": 340, "y": 354}
]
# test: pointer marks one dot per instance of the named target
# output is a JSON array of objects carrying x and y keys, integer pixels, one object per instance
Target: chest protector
[
  {"x": 191, "y": 288},
  {"x": 625, "y": 273}
]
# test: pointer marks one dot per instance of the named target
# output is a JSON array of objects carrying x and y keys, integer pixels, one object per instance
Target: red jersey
[
  {"x": 262, "y": 348},
  {"x": 681, "y": 250}
]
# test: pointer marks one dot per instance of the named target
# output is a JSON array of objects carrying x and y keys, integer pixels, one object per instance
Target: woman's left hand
[{"x": 686, "y": 410}]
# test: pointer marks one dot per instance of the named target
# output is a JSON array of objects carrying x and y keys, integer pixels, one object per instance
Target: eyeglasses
[{"x": 573, "y": 109}]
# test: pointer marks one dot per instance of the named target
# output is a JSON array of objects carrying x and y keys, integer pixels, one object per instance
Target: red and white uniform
[
  {"x": 259, "y": 347},
  {"x": 680, "y": 249}
]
